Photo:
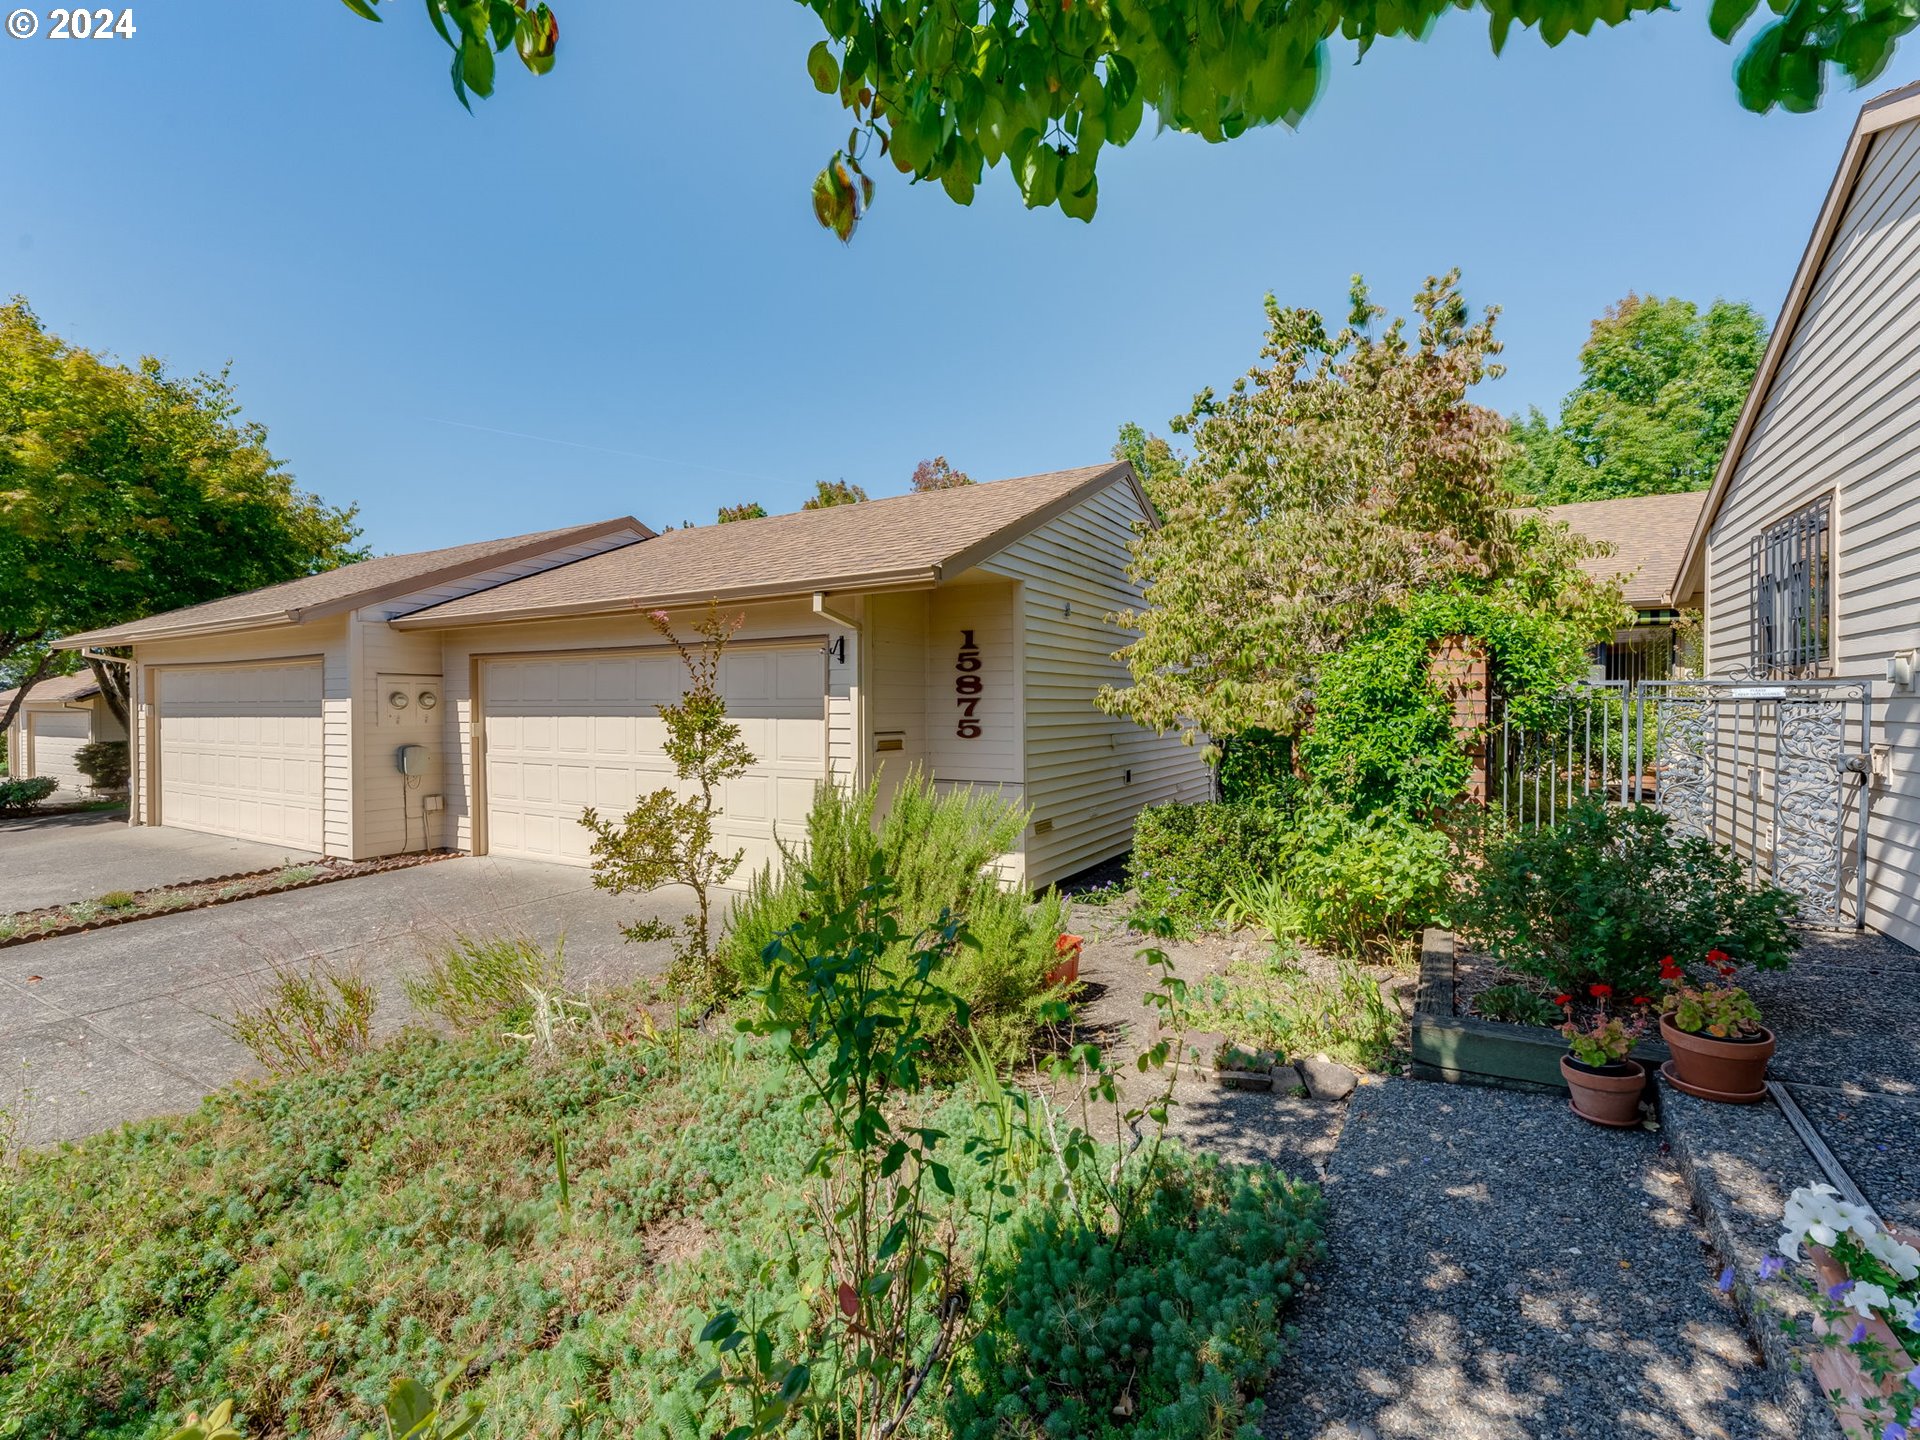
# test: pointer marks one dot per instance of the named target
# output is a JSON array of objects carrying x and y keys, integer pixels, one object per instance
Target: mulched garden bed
[{"x": 26, "y": 926}]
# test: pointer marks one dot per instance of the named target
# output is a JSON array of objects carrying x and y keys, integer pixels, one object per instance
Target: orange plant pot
[{"x": 1066, "y": 970}]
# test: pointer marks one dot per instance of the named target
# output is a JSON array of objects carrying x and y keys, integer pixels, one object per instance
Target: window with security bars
[{"x": 1792, "y": 579}]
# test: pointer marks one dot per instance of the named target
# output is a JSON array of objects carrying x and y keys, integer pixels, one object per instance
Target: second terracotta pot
[
  {"x": 1609, "y": 1096},
  {"x": 1734, "y": 1071}
]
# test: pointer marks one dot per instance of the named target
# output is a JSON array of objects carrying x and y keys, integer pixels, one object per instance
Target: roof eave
[
  {"x": 115, "y": 635},
  {"x": 1018, "y": 529},
  {"x": 1895, "y": 108},
  {"x": 918, "y": 578}
]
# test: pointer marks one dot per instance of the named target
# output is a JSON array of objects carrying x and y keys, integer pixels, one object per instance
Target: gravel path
[{"x": 1502, "y": 1271}]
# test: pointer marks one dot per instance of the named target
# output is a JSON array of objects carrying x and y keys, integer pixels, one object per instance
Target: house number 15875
[{"x": 966, "y": 687}]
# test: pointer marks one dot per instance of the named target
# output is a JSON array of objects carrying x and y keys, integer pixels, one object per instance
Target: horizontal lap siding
[
  {"x": 390, "y": 813},
  {"x": 1076, "y": 757},
  {"x": 1842, "y": 416}
]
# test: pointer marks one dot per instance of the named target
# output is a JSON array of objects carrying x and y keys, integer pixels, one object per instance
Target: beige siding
[
  {"x": 326, "y": 639},
  {"x": 895, "y": 635},
  {"x": 462, "y": 651},
  {"x": 1087, "y": 774},
  {"x": 390, "y": 808},
  {"x": 1842, "y": 417}
]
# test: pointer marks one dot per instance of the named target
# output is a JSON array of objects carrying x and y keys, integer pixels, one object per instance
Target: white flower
[
  {"x": 1903, "y": 1260},
  {"x": 1863, "y": 1297},
  {"x": 1905, "y": 1311}
]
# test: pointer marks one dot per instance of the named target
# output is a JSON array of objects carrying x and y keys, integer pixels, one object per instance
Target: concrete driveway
[
  {"x": 55, "y": 859},
  {"x": 118, "y": 1024}
]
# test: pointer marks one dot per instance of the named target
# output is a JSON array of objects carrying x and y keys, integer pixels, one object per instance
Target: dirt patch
[{"x": 680, "y": 1238}]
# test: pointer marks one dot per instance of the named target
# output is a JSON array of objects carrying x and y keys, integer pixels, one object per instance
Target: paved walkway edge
[{"x": 1689, "y": 1132}]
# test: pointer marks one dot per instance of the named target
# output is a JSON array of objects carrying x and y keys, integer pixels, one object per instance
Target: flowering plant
[
  {"x": 1725, "y": 1012},
  {"x": 1607, "y": 1039},
  {"x": 1880, "y": 1288}
]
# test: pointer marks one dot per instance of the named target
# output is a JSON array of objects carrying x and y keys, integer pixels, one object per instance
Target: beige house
[
  {"x": 58, "y": 717},
  {"x": 480, "y": 697},
  {"x": 1806, "y": 555}
]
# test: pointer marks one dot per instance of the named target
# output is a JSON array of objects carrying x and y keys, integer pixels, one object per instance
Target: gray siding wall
[{"x": 1842, "y": 417}]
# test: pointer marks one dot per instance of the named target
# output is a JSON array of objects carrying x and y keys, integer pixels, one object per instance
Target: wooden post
[{"x": 1458, "y": 665}]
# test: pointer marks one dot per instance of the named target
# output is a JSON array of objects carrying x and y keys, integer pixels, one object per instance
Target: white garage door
[
  {"x": 563, "y": 734},
  {"x": 57, "y": 738},
  {"x": 241, "y": 752}
]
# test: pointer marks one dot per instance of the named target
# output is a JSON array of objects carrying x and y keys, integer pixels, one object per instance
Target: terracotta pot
[
  {"x": 1606, "y": 1097},
  {"x": 1067, "y": 951},
  {"x": 1837, "y": 1368},
  {"x": 1731, "y": 1071}
]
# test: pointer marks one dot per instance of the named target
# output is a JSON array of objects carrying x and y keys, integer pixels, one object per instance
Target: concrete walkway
[
  {"x": 119, "y": 1024},
  {"x": 57, "y": 859}
]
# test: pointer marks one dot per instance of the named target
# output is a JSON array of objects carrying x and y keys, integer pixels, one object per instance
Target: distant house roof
[
  {"x": 1648, "y": 534},
  {"x": 350, "y": 586},
  {"x": 56, "y": 691},
  {"x": 899, "y": 542},
  {"x": 1883, "y": 112}
]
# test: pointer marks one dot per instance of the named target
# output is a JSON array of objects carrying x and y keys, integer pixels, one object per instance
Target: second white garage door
[
  {"x": 241, "y": 752},
  {"x": 57, "y": 737},
  {"x": 566, "y": 733}
]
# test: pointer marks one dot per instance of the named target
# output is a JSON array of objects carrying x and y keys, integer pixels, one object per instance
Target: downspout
[{"x": 856, "y": 690}]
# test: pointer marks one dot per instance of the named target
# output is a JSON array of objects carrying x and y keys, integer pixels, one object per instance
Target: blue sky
[{"x": 620, "y": 256}]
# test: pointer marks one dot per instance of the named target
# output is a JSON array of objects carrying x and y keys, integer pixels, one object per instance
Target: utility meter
[{"x": 411, "y": 759}]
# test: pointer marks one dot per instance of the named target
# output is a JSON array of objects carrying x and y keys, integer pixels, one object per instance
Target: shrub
[
  {"x": 1275, "y": 1004},
  {"x": 1256, "y": 768},
  {"x": 475, "y": 981},
  {"x": 1604, "y": 895},
  {"x": 104, "y": 762},
  {"x": 1516, "y": 1003},
  {"x": 118, "y": 900},
  {"x": 1364, "y": 887},
  {"x": 1169, "y": 1329},
  {"x": 940, "y": 851},
  {"x": 1188, "y": 859},
  {"x": 306, "y": 1019},
  {"x": 19, "y": 796}
]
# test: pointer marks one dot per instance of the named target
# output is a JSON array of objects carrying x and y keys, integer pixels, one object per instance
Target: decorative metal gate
[{"x": 1777, "y": 770}]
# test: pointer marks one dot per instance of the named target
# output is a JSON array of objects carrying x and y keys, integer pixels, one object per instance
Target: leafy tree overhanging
[{"x": 947, "y": 89}]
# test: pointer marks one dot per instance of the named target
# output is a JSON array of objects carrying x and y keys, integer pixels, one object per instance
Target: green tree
[
  {"x": 749, "y": 510},
  {"x": 947, "y": 89},
  {"x": 1661, "y": 385},
  {"x": 937, "y": 474},
  {"x": 125, "y": 491},
  {"x": 1344, "y": 474},
  {"x": 667, "y": 837},
  {"x": 828, "y": 493}
]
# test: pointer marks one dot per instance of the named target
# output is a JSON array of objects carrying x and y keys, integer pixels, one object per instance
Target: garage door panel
[
  {"x": 57, "y": 738},
  {"x": 545, "y": 715},
  {"x": 241, "y": 752}
]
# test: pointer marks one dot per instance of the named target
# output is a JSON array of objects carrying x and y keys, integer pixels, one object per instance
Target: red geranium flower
[
  {"x": 1670, "y": 971},
  {"x": 1600, "y": 992},
  {"x": 1641, "y": 1000},
  {"x": 1563, "y": 1001}
]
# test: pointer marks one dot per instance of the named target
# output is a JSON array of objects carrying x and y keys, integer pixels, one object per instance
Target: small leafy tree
[
  {"x": 937, "y": 474},
  {"x": 828, "y": 493},
  {"x": 746, "y": 510},
  {"x": 104, "y": 762},
  {"x": 667, "y": 838}
]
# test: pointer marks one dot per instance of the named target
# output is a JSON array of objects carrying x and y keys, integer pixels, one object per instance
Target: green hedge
[
  {"x": 1187, "y": 859},
  {"x": 17, "y": 796}
]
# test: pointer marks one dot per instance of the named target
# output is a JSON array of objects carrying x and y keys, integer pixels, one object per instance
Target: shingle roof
[
  {"x": 1648, "y": 534},
  {"x": 59, "y": 689},
  {"x": 902, "y": 540},
  {"x": 334, "y": 590}
]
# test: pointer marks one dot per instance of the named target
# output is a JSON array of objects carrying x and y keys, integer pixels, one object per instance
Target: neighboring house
[
  {"x": 59, "y": 717},
  {"x": 962, "y": 630},
  {"x": 1806, "y": 556},
  {"x": 1648, "y": 533}
]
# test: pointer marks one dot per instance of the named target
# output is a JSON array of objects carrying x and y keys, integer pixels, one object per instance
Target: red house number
[{"x": 966, "y": 687}]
